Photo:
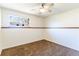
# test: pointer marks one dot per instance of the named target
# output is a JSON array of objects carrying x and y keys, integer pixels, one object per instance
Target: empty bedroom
[{"x": 39, "y": 29}]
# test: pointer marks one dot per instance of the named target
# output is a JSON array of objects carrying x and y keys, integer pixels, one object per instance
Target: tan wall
[
  {"x": 0, "y": 33},
  {"x": 13, "y": 37},
  {"x": 66, "y": 37}
]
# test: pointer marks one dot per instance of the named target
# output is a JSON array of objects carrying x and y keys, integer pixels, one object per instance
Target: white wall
[
  {"x": 0, "y": 33},
  {"x": 17, "y": 36},
  {"x": 65, "y": 37}
]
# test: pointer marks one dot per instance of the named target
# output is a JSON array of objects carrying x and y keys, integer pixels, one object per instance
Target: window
[{"x": 17, "y": 21}]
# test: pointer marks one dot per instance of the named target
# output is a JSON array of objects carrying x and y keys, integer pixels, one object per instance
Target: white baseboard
[{"x": 0, "y": 52}]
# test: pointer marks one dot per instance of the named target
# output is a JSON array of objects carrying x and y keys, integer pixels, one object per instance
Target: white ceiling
[{"x": 33, "y": 8}]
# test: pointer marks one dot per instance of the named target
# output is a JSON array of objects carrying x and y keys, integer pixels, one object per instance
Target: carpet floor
[{"x": 40, "y": 48}]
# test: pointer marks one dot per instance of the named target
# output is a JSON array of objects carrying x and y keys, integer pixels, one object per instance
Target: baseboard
[
  {"x": 21, "y": 44},
  {"x": 0, "y": 52}
]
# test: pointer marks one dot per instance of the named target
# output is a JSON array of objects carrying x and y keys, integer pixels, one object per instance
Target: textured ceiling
[{"x": 33, "y": 8}]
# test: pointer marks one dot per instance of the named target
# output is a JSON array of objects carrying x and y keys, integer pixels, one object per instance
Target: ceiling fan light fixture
[
  {"x": 43, "y": 10},
  {"x": 46, "y": 7}
]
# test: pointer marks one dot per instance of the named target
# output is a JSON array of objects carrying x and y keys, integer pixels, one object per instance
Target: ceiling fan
[
  {"x": 43, "y": 8},
  {"x": 46, "y": 7}
]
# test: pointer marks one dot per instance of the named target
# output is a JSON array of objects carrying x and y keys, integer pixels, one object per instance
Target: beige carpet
[{"x": 40, "y": 48}]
